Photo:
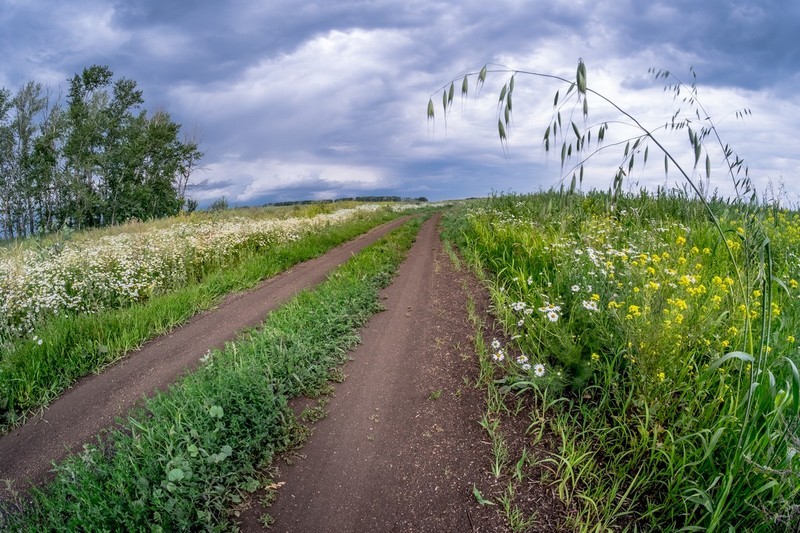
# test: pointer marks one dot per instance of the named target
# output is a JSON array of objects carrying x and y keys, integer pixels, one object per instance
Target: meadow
[
  {"x": 70, "y": 304},
  {"x": 193, "y": 454},
  {"x": 655, "y": 351}
]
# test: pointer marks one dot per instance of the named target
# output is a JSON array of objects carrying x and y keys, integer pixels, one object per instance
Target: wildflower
[
  {"x": 595, "y": 297},
  {"x": 538, "y": 369},
  {"x": 595, "y": 357},
  {"x": 520, "y": 323},
  {"x": 552, "y": 316},
  {"x": 661, "y": 376},
  {"x": 590, "y": 305},
  {"x": 499, "y": 355},
  {"x": 495, "y": 344},
  {"x": 681, "y": 240},
  {"x": 790, "y": 339},
  {"x": 518, "y": 306},
  {"x": 526, "y": 367},
  {"x": 793, "y": 283},
  {"x": 576, "y": 288},
  {"x": 522, "y": 359},
  {"x": 530, "y": 280}
]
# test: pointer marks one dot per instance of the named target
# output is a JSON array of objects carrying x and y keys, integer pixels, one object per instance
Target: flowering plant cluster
[{"x": 94, "y": 274}]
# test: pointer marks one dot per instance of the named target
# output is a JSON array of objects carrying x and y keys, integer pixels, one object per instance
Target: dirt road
[
  {"x": 27, "y": 452},
  {"x": 401, "y": 447}
]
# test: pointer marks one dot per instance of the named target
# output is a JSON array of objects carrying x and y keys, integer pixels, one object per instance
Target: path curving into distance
[
  {"x": 401, "y": 448},
  {"x": 94, "y": 402}
]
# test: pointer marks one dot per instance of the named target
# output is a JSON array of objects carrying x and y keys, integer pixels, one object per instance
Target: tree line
[
  {"x": 98, "y": 159},
  {"x": 350, "y": 199}
]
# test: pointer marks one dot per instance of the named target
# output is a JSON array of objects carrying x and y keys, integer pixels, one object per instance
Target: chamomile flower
[{"x": 538, "y": 370}]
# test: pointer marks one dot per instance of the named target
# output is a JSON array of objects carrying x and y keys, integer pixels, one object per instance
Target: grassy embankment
[
  {"x": 192, "y": 453},
  {"x": 656, "y": 357},
  {"x": 114, "y": 299}
]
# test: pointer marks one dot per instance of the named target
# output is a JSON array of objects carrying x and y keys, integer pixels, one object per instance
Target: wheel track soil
[
  {"x": 94, "y": 402},
  {"x": 401, "y": 448}
]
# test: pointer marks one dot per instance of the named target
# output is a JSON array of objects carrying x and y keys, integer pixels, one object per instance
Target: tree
[{"x": 98, "y": 160}]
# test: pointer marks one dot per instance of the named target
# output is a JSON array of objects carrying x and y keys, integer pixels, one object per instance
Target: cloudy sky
[{"x": 294, "y": 99}]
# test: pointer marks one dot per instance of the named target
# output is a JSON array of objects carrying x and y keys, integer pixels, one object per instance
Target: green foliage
[
  {"x": 194, "y": 452},
  {"x": 99, "y": 160},
  {"x": 220, "y": 204},
  {"x": 670, "y": 420},
  {"x": 36, "y": 372},
  {"x": 673, "y": 334}
]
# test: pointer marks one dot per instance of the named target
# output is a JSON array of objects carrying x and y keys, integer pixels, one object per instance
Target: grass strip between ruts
[
  {"x": 75, "y": 346},
  {"x": 192, "y": 452}
]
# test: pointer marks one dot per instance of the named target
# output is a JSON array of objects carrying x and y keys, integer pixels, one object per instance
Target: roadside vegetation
[
  {"x": 72, "y": 304},
  {"x": 193, "y": 453},
  {"x": 666, "y": 379}
]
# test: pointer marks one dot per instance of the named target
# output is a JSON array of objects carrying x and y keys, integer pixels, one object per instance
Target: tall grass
[{"x": 680, "y": 370}]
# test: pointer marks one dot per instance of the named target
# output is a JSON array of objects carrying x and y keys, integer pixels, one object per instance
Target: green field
[
  {"x": 656, "y": 348},
  {"x": 71, "y": 304}
]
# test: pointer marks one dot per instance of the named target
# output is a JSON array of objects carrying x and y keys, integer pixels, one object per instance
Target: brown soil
[
  {"x": 93, "y": 403},
  {"x": 401, "y": 448}
]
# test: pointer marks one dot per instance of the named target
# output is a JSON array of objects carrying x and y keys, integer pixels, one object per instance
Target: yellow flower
[
  {"x": 595, "y": 297},
  {"x": 681, "y": 240},
  {"x": 595, "y": 357},
  {"x": 793, "y": 283},
  {"x": 695, "y": 250},
  {"x": 790, "y": 339},
  {"x": 706, "y": 251},
  {"x": 661, "y": 376}
]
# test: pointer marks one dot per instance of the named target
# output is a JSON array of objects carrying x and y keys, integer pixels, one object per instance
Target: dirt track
[
  {"x": 27, "y": 452},
  {"x": 401, "y": 447}
]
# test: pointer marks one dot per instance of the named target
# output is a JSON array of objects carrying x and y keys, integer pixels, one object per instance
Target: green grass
[
  {"x": 667, "y": 349},
  {"x": 77, "y": 345},
  {"x": 194, "y": 452}
]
